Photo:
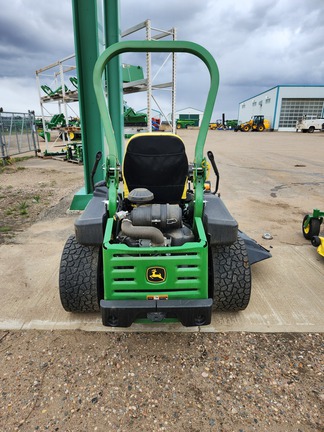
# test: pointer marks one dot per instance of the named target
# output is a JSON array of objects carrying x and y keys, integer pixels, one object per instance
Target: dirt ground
[
  {"x": 30, "y": 192},
  {"x": 96, "y": 381}
]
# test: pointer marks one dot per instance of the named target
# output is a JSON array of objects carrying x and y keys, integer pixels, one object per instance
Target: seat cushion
[{"x": 159, "y": 163}]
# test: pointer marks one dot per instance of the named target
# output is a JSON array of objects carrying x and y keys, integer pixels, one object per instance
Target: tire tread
[
  {"x": 231, "y": 276},
  {"x": 78, "y": 277}
]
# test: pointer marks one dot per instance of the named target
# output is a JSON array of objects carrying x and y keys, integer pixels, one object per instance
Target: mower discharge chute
[{"x": 153, "y": 243}]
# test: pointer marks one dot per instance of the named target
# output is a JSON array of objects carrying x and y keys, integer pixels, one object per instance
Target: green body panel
[
  {"x": 125, "y": 269},
  {"x": 317, "y": 214},
  {"x": 80, "y": 200},
  {"x": 132, "y": 73}
]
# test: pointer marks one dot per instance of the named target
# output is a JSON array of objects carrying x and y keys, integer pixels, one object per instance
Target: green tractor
[{"x": 155, "y": 244}]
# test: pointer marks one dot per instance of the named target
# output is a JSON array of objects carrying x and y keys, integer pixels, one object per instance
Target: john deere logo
[{"x": 156, "y": 274}]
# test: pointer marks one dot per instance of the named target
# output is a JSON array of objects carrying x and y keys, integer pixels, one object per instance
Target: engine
[{"x": 152, "y": 224}]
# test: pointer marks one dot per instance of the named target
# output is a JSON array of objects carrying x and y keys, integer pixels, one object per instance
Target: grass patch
[{"x": 5, "y": 229}]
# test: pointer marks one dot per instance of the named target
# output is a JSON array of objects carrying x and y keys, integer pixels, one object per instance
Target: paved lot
[{"x": 269, "y": 181}]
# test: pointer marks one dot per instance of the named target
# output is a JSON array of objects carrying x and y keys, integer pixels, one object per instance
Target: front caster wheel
[{"x": 316, "y": 241}]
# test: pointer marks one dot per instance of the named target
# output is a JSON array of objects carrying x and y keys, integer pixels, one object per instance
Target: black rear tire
[
  {"x": 231, "y": 276},
  {"x": 80, "y": 279},
  {"x": 312, "y": 229}
]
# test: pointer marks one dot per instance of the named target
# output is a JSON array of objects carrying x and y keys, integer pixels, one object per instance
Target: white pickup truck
[{"x": 309, "y": 125}]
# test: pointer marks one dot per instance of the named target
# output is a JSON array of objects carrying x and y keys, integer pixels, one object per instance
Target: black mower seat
[{"x": 158, "y": 162}]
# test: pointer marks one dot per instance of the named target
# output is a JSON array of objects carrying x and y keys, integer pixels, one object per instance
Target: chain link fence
[{"x": 17, "y": 134}]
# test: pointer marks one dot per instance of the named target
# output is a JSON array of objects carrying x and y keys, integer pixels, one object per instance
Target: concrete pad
[
  {"x": 287, "y": 294},
  {"x": 262, "y": 188}
]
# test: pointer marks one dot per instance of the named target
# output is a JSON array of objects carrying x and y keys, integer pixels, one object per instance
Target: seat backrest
[{"x": 158, "y": 162}]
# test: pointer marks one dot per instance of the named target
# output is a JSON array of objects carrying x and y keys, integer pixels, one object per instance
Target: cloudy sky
[{"x": 257, "y": 45}]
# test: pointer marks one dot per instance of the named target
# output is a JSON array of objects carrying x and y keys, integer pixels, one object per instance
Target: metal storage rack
[
  {"x": 66, "y": 96},
  {"x": 147, "y": 84},
  {"x": 63, "y": 96}
]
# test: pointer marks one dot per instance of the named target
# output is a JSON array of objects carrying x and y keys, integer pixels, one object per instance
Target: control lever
[
  {"x": 213, "y": 163},
  {"x": 95, "y": 166}
]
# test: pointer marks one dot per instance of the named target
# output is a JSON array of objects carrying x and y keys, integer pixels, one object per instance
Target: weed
[
  {"x": 36, "y": 198},
  {"x": 10, "y": 211},
  {"x": 23, "y": 208},
  {"x": 4, "y": 163},
  {"x": 5, "y": 229}
]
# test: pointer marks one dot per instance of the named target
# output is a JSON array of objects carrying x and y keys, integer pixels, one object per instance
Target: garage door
[{"x": 194, "y": 117}]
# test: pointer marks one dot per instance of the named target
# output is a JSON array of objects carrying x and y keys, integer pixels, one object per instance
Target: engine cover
[{"x": 165, "y": 217}]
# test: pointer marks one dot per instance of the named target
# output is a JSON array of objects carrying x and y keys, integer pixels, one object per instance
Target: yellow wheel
[
  {"x": 178, "y": 126},
  {"x": 72, "y": 136},
  {"x": 246, "y": 128}
]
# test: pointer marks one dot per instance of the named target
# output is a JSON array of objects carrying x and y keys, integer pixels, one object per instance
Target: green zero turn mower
[{"x": 155, "y": 244}]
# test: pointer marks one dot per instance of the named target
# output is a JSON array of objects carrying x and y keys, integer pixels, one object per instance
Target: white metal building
[
  {"x": 284, "y": 104},
  {"x": 189, "y": 114}
]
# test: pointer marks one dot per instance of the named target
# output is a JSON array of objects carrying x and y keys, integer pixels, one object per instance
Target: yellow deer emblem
[{"x": 156, "y": 274}]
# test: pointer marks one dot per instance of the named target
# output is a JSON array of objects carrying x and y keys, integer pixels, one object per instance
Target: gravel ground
[{"x": 79, "y": 381}]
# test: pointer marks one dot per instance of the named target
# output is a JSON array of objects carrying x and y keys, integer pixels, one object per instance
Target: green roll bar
[{"x": 155, "y": 46}]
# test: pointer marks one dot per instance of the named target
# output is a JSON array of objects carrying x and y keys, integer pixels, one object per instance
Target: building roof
[
  {"x": 282, "y": 85},
  {"x": 190, "y": 109}
]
